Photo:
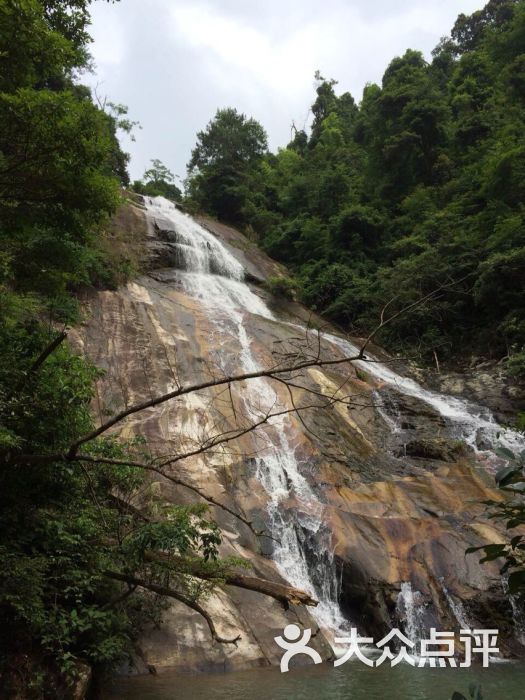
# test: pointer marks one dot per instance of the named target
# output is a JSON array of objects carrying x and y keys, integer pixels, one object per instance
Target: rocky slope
[{"x": 380, "y": 494}]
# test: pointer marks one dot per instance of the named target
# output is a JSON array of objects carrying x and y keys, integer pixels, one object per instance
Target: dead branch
[
  {"x": 171, "y": 593},
  {"x": 406, "y": 309},
  {"x": 273, "y": 372},
  {"x": 192, "y": 388},
  {"x": 284, "y": 594},
  {"x": 173, "y": 479},
  {"x": 281, "y": 592}
]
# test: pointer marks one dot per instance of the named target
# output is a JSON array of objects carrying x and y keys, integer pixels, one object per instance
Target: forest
[
  {"x": 70, "y": 548},
  {"x": 419, "y": 188},
  {"x": 417, "y": 191}
]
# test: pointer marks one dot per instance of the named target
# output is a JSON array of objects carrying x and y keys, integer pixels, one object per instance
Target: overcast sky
[{"x": 174, "y": 62}]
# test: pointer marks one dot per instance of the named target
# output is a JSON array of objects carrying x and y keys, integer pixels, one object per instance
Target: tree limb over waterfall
[
  {"x": 161, "y": 572},
  {"x": 283, "y": 593},
  {"x": 171, "y": 593}
]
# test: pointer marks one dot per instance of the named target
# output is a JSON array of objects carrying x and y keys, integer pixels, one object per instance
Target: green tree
[
  {"x": 419, "y": 185},
  {"x": 511, "y": 480},
  {"x": 68, "y": 545},
  {"x": 225, "y": 165},
  {"x": 468, "y": 31},
  {"x": 158, "y": 181}
]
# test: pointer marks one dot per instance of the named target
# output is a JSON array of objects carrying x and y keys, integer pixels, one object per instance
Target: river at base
[{"x": 355, "y": 681}]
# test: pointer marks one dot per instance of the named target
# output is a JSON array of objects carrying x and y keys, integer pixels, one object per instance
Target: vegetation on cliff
[
  {"x": 61, "y": 170},
  {"x": 72, "y": 550},
  {"x": 158, "y": 181},
  {"x": 420, "y": 184},
  {"x": 511, "y": 512}
]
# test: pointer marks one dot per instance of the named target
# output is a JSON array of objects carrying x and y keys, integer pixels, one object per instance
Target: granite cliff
[{"x": 370, "y": 496}]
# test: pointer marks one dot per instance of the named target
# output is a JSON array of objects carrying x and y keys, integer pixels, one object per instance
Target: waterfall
[
  {"x": 456, "y": 607},
  {"x": 409, "y": 607},
  {"x": 198, "y": 251},
  {"x": 212, "y": 270},
  {"x": 518, "y": 610},
  {"x": 466, "y": 420},
  {"x": 389, "y": 413},
  {"x": 302, "y": 549},
  {"x": 518, "y": 617}
]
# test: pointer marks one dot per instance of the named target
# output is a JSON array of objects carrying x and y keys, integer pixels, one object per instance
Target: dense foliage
[
  {"x": 511, "y": 480},
  {"x": 224, "y": 170},
  {"x": 158, "y": 181},
  {"x": 71, "y": 546},
  {"x": 419, "y": 187}
]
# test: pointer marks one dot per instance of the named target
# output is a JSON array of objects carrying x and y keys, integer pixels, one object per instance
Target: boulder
[{"x": 443, "y": 449}]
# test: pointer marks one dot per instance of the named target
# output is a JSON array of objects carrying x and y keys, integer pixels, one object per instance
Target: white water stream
[
  {"x": 302, "y": 548},
  {"x": 456, "y": 606},
  {"x": 465, "y": 419},
  {"x": 209, "y": 272},
  {"x": 410, "y": 609}
]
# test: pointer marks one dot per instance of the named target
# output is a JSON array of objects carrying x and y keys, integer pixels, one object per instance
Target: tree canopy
[
  {"x": 224, "y": 165},
  {"x": 419, "y": 185},
  {"x": 158, "y": 180}
]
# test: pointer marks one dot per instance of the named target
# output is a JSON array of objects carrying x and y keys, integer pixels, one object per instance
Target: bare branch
[
  {"x": 192, "y": 388},
  {"x": 171, "y": 593},
  {"x": 284, "y": 594},
  {"x": 173, "y": 479},
  {"x": 406, "y": 309}
]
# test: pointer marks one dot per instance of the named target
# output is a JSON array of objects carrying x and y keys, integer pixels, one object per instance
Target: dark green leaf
[
  {"x": 505, "y": 475},
  {"x": 505, "y": 453},
  {"x": 516, "y": 582}
]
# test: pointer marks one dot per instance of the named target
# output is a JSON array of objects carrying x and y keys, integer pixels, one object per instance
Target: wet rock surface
[
  {"x": 443, "y": 449},
  {"x": 488, "y": 384},
  {"x": 401, "y": 500}
]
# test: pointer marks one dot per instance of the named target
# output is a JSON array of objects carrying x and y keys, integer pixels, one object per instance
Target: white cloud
[
  {"x": 174, "y": 62},
  {"x": 111, "y": 44},
  {"x": 232, "y": 46}
]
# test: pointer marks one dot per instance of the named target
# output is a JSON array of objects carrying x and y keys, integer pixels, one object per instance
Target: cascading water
[
  {"x": 466, "y": 420},
  {"x": 518, "y": 610},
  {"x": 409, "y": 607},
  {"x": 456, "y": 607},
  {"x": 389, "y": 413},
  {"x": 207, "y": 271},
  {"x": 302, "y": 550}
]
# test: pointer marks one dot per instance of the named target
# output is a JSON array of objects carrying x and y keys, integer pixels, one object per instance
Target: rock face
[
  {"x": 489, "y": 384},
  {"x": 381, "y": 495}
]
